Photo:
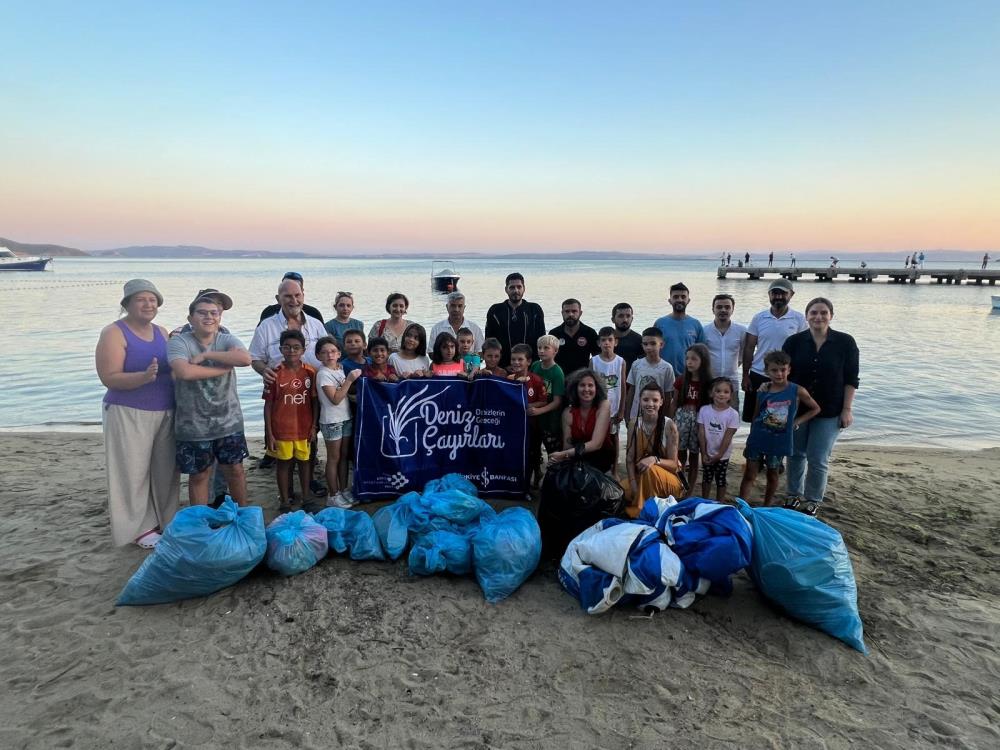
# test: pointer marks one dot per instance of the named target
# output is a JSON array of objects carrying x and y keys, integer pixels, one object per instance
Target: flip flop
[{"x": 148, "y": 539}]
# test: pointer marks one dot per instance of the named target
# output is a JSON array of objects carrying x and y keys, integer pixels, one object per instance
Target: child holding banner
[
  {"x": 379, "y": 368},
  {"x": 534, "y": 387},
  {"x": 555, "y": 386},
  {"x": 445, "y": 359}
]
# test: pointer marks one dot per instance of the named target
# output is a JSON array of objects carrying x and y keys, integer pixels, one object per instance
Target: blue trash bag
[
  {"x": 295, "y": 542},
  {"x": 505, "y": 551},
  {"x": 202, "y": 550},
  {"x": 351, "y": 531},
  {"x": 802, "y": 565},
  {"x": 392, "y": 524},
  {"x": 451, "y": 482},
  {"x": 436, "y": 510},
  {"x": 439, "y": 552}
]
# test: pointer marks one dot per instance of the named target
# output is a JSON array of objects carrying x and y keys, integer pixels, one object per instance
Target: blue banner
[{"x": 410, "y": 432}]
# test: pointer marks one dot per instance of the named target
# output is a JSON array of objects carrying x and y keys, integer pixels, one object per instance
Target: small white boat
[
  {"x": 996, "y": 301},
  {"x": 11, "y": 262},
  {"x": 443, "y": 279}
]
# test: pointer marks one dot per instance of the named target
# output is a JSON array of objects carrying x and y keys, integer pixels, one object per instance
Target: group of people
[{"x": 172, "y": 406}]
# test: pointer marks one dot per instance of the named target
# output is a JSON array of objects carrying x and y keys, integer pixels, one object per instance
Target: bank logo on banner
[{"x": 411, "y": 432}]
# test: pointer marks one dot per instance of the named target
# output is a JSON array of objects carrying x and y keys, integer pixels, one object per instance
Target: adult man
[
  {"x": 746, "y": 258},
  {"x": 725, "y": 340},
  {"x": 628, "y": 343},
  {"x": 455, "y": 322},
  {"x": 208, "y": 420},
  {"x": 265, "y": 346},
  {"x": 770, "y": 259},
  {"x": 793, "y": 259},
  {"x": 679, "y": 329},
  {"x": 986, "y": 260},
  {"x": 577, "y": 341},
  {"x": 766, "y": 333},
  {"x": 515, "y": 321},
  {"x": 309, "y": 310}
]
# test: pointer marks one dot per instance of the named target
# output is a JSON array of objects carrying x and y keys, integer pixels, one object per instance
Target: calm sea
[{"x": 930, "y": 355}]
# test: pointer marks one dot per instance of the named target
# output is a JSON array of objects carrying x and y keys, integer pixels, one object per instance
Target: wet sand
[{"x": 365, "y": 655}]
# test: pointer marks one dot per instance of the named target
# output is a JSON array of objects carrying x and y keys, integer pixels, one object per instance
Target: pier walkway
[{"x": 865, "y": 275}]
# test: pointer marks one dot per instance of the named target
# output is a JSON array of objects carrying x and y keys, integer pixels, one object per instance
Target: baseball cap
[
  {"x": 216, "y": 296},
  {"x": 784, "y": 284}
]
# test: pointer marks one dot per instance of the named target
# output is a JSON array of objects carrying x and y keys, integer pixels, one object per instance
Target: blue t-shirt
[
  {"x": 678, "y": 335},
  {"x": 771, "y": 430},
  {"x": 349, "y": 364}
]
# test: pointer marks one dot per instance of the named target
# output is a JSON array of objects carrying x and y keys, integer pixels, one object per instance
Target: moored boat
[
  {"x": 11, "y": 262},
  {"x": 444, "y": 279}
]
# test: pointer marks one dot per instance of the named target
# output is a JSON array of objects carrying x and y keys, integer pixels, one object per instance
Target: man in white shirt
[
  {"x": 455, "y": 322},
  {"x": 725, "y": 340},
  {"x": 766, "y": 333}
]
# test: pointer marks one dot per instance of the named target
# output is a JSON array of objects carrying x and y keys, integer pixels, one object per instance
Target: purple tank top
[{"x": 155, "y": 396}]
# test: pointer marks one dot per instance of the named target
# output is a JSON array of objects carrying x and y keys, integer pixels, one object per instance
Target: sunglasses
[{"x": 293, "y": 275}]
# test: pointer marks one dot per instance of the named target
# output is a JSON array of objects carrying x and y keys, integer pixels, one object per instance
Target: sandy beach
[{"x": 364, "y": 655}]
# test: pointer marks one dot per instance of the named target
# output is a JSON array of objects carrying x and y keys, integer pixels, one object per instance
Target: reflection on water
[{"x": 930, "y": 354}]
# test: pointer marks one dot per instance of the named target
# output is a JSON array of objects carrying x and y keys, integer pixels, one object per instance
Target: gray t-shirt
[
  {"x": 206, "y": 409},
  {"x": 641, "y": 373}
]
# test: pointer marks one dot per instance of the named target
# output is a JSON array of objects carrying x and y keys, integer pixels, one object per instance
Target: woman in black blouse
[{"x": 825, "y": 363}]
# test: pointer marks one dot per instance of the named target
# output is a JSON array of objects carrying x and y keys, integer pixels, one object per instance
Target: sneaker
[
  {"x": 338, "y": 501},
  {"x": 349, "y": 496},
  {"x": 317, "y": 488}
]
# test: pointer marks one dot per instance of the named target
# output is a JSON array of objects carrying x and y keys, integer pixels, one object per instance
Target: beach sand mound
[{"x": 364, "y": 655}]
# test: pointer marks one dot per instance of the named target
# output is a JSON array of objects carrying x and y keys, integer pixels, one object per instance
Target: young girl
[
  {"x": 651, "y": 456},
  {"x": 445, "y": 359},
  {"x": 335, "y": 419},
  {"x": 379, "y": 368},
  {"x": 343, "y": 303},
  {"x": 717, "y": 423},
  {"x": 411, "y": 360},
  {"x": 692, "y": 394}
]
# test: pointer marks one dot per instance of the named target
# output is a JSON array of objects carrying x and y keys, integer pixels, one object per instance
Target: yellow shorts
[{"x": 288, "y": 449}]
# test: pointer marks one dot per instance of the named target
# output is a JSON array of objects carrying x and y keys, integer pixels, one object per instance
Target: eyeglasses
[{"x": 291, "y": 348}]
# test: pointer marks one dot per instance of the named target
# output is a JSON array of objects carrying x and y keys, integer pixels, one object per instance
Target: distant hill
[
  {"x": 191, "y": 251},
  {"x": 55, "y": 251}
]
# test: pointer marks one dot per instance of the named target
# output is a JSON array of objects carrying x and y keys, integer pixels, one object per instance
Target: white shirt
[
  {"x": 725, "y": 348},
  {"x": 444, "y": 326},
  {"x": 408, "y": 366},
  {"x": 265, "y": 346},
  {"x": 330, "y": 412},
  {"x": 771, "y": 333}
]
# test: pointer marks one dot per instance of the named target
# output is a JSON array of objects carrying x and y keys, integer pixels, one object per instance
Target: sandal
[
  {"x": 810, "y": 509},
  {"x": 793, "y": 503},
  {"x": 148, "y": 539}
]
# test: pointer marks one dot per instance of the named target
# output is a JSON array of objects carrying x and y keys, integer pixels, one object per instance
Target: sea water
[{"x": 930, "y": 354}]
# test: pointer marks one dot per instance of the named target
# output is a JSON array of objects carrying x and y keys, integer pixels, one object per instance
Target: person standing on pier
[
  {"x": 679, "y": 329},
  {"x": 793, "y": 259},
  {"x": 770, "y": 259},
  {"x": 729, "y": 259},
  {"x": 986, "y": 259},
  {"x": 767, "y": 332},
  {"x": 746, "y": 258},
  {"x": 922, "y": 256}
]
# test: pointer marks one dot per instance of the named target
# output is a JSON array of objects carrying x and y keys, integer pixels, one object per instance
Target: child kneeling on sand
[{"x": 781, "y": 407}]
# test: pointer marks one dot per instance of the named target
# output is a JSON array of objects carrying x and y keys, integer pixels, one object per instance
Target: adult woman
[
  {"x": 343, "y": 303},
  {"x": 131, "y": 361},
  {"x": 825, "y": 363},
  {"x": 586, "y": 422},
  {"x": 651, "y": 456},
  {"x": 392, "y": 328}
]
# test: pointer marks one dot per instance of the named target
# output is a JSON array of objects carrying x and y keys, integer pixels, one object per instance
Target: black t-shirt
[
  {"x": 629, "y": 347},
  {"x": 575, "y": 351},
  {"x": 270, "y": 310}
]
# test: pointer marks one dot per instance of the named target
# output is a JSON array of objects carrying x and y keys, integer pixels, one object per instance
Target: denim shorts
[
  {"x": 766, "y": 461},
  {"x": 337, "y": 430},
  {"x": 194, "y": 456}
]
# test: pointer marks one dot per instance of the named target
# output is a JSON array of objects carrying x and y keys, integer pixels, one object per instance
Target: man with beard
[
  {"x": 679, "y": 329},
  {"x": 628, "y": 343},
  {"x": 725, "y": 340},
  {"x": 766, "y": 333},
  {"x": 577, "y": 342},
  {"x": 515, "y": 321}
]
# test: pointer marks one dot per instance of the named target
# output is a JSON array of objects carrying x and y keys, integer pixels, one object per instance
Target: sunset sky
[{"x": 492, "y": 126}]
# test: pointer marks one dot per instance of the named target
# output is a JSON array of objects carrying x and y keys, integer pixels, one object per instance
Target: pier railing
[{"x": 864, "y": 275}]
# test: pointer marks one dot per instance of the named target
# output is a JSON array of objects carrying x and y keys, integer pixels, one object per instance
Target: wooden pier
[{"x": 865, "y": 275}]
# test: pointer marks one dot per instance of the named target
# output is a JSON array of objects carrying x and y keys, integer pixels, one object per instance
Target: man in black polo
[
  {"x": 309, "y": 310},
  {"x": 515, "y": 320},
  {"x": 577, "y": 342},
  {"x": 628, "y": 343}
]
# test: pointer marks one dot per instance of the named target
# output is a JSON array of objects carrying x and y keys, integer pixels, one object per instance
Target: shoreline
[{"x": 364, "y": 654}]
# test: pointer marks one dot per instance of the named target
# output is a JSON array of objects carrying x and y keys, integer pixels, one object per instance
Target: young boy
[
  {"x": 520, "y": 361},
  {"x": 471, "y": 361},
  {"x": 781, "y": 408},
  {"x": 380, "y": 369},
  {"x": 550, "y": 415},
  {"x": 650, "y": 368},
  {"x": 717, "y": 423},
  {"x": 291, "y": 408},
  {"x": 611, "y": 368},
  {"x": 354, "y": 352},
  {"x": 492, "y": 354}
]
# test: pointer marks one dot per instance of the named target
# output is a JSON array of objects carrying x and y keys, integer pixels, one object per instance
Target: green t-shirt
[{"x": 555, "y": 385}]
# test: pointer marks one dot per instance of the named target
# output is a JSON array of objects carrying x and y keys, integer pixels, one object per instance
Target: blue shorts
[
  {"x": 337, "y": 430},
  {"x": 766, "y": 462},
  {"x": 194, "y": 456}
]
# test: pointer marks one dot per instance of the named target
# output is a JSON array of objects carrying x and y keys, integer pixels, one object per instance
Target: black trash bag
[{"x": 575, "y": 496}]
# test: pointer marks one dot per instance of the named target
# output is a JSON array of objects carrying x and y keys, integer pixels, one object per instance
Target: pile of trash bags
[
  {"x": 666, "y": 557},
  {"x": 202, "y": 551},
  {"x": 447, "y": 529}
]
